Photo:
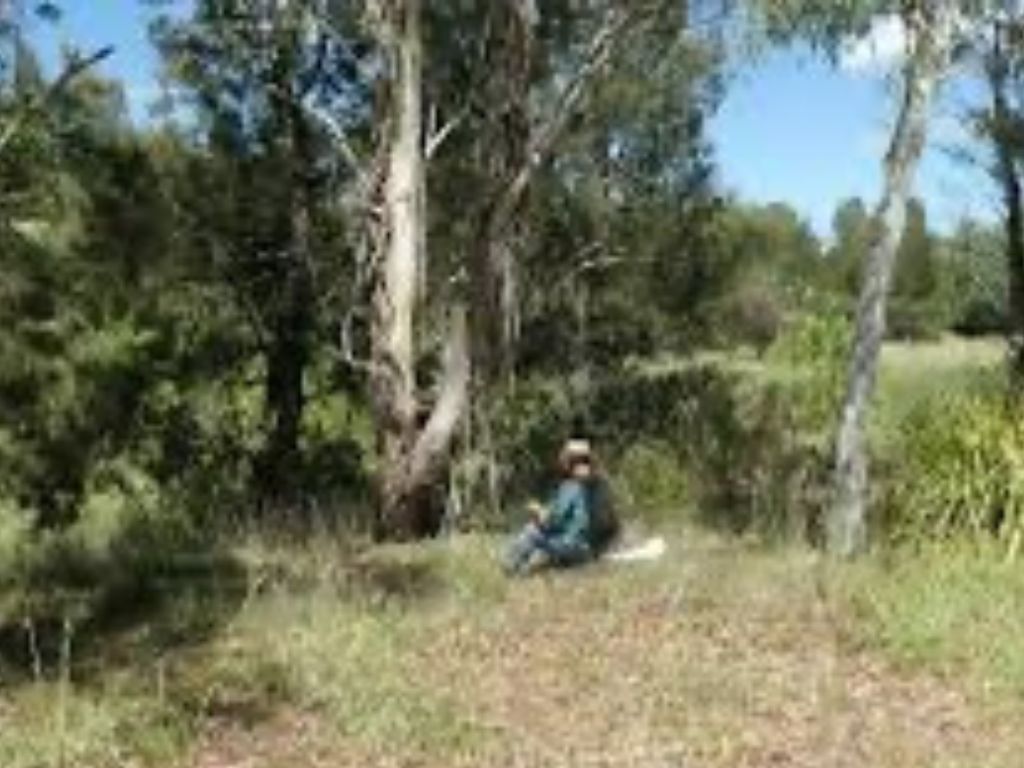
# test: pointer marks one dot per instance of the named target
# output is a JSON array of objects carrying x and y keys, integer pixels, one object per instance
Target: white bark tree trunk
[
  {"x": 930, "y": 26},
  {"x": 411, "y": 458},
  {"x": 395, "y": 300}
]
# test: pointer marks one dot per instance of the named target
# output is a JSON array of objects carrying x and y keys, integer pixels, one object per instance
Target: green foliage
[
  {"x": 750, "y": 314},
  {"x": 973, "y": 284},
  {"x": 826, "y": 24},
  {"x": 915, "y": 312},
  {"x": 914, "y": 320},
  {"x": 768, "y": 262},
  {"x": 852, "y": 230},
  {"x": 814, "y": 351},
  {"x": 618, "y": 261},
  {"x": 747, "y": 442},
  {"x": 960, "y": 475},
  {"x": 939, "y": 284},
  {"x": 735, "y": 446},
  {"x": 127, "y": 533},
  {"x": 16, "y": 526},
  {"x": 652, "y": 483}
]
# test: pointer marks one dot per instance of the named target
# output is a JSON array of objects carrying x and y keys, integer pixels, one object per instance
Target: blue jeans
[{"x": 532, "y": 541}]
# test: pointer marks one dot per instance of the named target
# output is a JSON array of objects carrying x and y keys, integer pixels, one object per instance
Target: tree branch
[
  {"x": 437, "y": 138},
  {"x": 340, "y": 139},
  {"x": 435, "y": 439},
  {"x": 617, "y": 22}
]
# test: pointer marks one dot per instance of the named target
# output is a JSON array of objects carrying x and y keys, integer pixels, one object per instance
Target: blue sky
[
  {"x": 799, "y": 129},
  {"x": 793, "y": 128}
]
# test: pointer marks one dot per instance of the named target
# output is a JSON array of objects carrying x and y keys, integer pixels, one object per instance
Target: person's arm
[
  {"x": 565, "y": 510},
  {"x": 550, "y": 520}
]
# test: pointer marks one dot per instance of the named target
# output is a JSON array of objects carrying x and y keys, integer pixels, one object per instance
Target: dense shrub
[
  {"x": 652, "y": 481},
  {"x": 911, "y": 320},
  {"x": 960, "y": 471},
  {"x": 15, "y": 536},
  {"x": 813, "y": 351},
  {"x": 510, "y": 454},
  {"x": 981, "y": 318},
  {"x": 128, "y": 531},
  {"x": 751, "y": 314}
]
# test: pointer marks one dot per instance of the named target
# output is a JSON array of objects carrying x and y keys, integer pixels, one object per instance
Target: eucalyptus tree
[
  {"x": 485, "y": 93},
  {"x": 933, "y": 29},
  {"x": 413, "y": 449}
]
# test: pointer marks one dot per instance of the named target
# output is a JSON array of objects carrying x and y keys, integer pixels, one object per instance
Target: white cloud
[{"x": 878, "y": 51}]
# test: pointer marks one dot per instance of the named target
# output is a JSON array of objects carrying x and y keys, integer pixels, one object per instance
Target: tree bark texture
[{"x": 414, "y": 447}]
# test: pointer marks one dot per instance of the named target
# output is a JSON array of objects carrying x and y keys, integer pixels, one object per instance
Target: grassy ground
[{"x": 723, "y": 654}]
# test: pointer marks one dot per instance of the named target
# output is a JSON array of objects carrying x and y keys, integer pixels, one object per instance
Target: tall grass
[
  {"x": 327, "y": 627},
  {"x": 954, "y": 608},
  {"x": 913, "y": 374}
]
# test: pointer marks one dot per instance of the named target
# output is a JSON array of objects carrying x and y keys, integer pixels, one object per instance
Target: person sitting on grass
[{"x": 559, "y": 533}]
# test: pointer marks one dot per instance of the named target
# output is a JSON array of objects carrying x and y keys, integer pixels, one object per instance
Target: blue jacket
[{"x": 568, "y": 518}]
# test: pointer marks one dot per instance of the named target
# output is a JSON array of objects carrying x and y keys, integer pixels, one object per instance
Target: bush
[
  {"x": 981, "y": 318},
  {"x": 915, "y": 320},
  {"x": 651, "y": 480},
  {"x": 960, "y": 472},
  {"x": 816, "y": 349},
  {"x": 752, "y": 314},
  {"x": 746, "y": 444},
  {"x": 15, "y": 538},
  {"x": 732, "y": 443},
  {"x": 129, "y": 531}
]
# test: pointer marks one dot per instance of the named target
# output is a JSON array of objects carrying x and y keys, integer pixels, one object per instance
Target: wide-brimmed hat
[{"x": 575, "y": 451}]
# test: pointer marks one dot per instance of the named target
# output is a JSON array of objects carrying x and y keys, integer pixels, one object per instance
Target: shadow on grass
[
  {"x": 179, "y": 644},
  {"x": 121, "y": 615}
]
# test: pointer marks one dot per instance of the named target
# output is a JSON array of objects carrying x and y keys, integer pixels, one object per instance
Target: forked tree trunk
[
  {"x": 1001, "y": 130},
  {"x": 929, "y": 28},
  {"x": 412, "y": 454}
]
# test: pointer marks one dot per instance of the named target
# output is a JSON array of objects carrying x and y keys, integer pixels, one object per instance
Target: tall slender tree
[
  {"x": 413, "y": 449},
  {"x": 930, "y": 28}
]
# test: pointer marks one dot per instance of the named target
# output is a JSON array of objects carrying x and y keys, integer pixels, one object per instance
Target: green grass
[
  {"x": 912, "y": 374},
  {"x": 956, "y": 609},
  {"x": 118, "y": 723},
  {"x": 331, "y": 627}
]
